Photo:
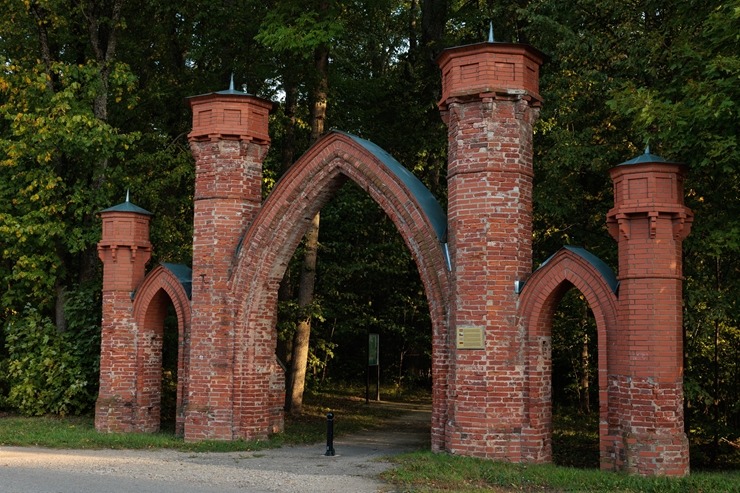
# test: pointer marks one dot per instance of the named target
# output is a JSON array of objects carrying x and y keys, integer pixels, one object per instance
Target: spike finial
[
  {"x": 647, "y": 149},
  {"x": 231, "y": 84},
  {"x": 490, "y": 32},
  {"x": 127, "y": 190}
]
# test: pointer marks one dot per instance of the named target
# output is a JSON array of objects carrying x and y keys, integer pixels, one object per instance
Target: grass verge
[
  {"x": 351, "y": 415},
  {"x": 426, "y": 472},
  {"x": 421, "y": 472}
]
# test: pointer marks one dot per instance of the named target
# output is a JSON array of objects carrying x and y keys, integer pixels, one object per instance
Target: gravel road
[{"x": 305, "y": 469}]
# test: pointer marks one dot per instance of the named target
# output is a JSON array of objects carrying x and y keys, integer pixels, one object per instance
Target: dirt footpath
[{"x": 354, "y": 468}]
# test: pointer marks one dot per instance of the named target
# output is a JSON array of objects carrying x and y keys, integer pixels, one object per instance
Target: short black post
[{"x": 329, "y": 435}]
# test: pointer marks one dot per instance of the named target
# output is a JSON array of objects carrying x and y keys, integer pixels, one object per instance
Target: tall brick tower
[
  {"x": 229, "y": 141},
  {"x": 649, "y": 222},
  {"x": 490, "y": 101},
  {"x": 124, "y": 249}
]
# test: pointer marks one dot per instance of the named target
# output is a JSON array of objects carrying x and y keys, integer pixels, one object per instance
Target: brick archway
[
  {"x": 161, "y": 287},
  {"x": 568, "y": 268},
  {"x": 491, "y": 358},
  {"x": 274, "y": 235}
]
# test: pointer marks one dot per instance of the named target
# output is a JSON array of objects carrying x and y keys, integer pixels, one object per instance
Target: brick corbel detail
[
  {"x": 489, "y": 102},
  {"x": 649, "y": 222},
  {"x": 229, "y": 141}
]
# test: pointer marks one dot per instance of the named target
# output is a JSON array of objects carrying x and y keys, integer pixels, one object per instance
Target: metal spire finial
[
  {"x": 127, "y": 194},
  {"x": 647, "y": 149},
  {"x": 490, "y": 33},
  {"x": 231, "y": 84}
]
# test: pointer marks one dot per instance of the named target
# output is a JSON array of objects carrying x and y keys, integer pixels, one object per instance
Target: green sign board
[{"x": 373, "y": 349}]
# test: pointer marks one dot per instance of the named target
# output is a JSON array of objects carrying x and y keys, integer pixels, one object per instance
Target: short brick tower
[
  {"x": 649, "y": 222},
  {"x": 124, "y": 249},
  {"x": 490, "y": 101},
  {"x": 229, "y": 141}
]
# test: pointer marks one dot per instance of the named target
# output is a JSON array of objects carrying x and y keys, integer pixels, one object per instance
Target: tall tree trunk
[
  {"x": 103, "y": 22},
  {"x": 302, "y": 334},
  {"x": 714, "y": 452},
  {"x": 285, "y": 291},
  {"x": 433, "y": 20},
  {"x": 413, "y": 12},
  {"x": 306, "y": 285},
  {"x": 40, "y": 16},
  {"x": 585, "y": 400}
]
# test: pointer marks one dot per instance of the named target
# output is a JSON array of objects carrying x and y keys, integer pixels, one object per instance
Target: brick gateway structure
[{"x": 491, "y": 315}]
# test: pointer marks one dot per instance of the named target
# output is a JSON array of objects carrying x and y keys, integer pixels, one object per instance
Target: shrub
[{"x": 43, "y": 373}]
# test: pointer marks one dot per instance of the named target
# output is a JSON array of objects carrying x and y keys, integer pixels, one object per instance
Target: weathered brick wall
[
  {"x": 228, "y": 194},
  {"x": 150, "y": 336},
  {"x": 160, "y": 289},
  {"x": 489, "y": 115},
  {"x": 539, "y": 301}
]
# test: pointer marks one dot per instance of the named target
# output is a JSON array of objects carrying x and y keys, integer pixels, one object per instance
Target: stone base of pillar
[
  {"x": 115, "y": 415},
  {"x": 652, "y": 454}
]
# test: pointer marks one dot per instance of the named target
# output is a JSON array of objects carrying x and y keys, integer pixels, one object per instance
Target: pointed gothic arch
[
  {"x": 568, "y": 268},
  {"x": 269, "y": 243},
  {"x": 167, "y": 283}
]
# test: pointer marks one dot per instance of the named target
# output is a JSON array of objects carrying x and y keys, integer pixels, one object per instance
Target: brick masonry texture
[{"x": 493, "y": 400}]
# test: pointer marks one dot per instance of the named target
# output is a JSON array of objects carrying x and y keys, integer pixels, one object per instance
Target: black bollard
[{"x": 329, "y": 435}]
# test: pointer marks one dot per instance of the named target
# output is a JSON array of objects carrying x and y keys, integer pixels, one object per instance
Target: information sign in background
[{"x": 373, "y": 349}]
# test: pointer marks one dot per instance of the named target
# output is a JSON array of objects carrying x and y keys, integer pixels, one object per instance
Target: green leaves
[
  {"x": 50, "y": 155},
  {"x": 293, "y": 28},
  {"x": 623, "y": 75},
  {"x": 44, "y": 375}
]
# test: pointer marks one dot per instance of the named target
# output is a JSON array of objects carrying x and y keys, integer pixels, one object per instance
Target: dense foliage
[{"x": 92, "y": 104}]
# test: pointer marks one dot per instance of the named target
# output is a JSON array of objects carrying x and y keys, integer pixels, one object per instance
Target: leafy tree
[
  {"x": 300, "y": 31},
  {"x": 56, "y": 144}
]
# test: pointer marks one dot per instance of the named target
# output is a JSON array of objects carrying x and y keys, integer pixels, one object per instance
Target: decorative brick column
[
  {"x": 124, "y": 249},
  {"x": 229, "y": 141},
  {"x": 649, "y": 222},
  {"x": 490, "y": 101}
]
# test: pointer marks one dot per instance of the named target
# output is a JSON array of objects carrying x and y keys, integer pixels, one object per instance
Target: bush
[
  {"x": 83, "y": 312},
  {"x": 44, "y": 375}
]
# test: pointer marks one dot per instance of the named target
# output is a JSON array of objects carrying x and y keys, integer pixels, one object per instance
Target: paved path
[{"x": 354, "y": 469}]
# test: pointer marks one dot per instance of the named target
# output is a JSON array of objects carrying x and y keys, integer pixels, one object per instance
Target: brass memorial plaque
[{"x": 470, "y": 337}]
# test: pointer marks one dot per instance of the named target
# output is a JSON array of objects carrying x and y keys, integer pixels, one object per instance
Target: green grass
[
  {"x": 351, "y": 415},
  {"x": 576, "y": 457},
  {"x": 422, "y": 472},
  {"x": 426, "y": 472}
]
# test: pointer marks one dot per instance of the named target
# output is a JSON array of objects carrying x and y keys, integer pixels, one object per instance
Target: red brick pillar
[
  {"x": 649, "y": 222},
  {"x": 490, "y": 101},
  {"x": 124, "y": 249},
  {"x": 229, "y": 141}
]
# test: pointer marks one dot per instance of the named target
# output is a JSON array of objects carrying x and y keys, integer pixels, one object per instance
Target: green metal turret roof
[
  {"x": 230, "y": 91},
  {"x": 127, "y": 207},
  {"x": 646, "y": 157}
]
